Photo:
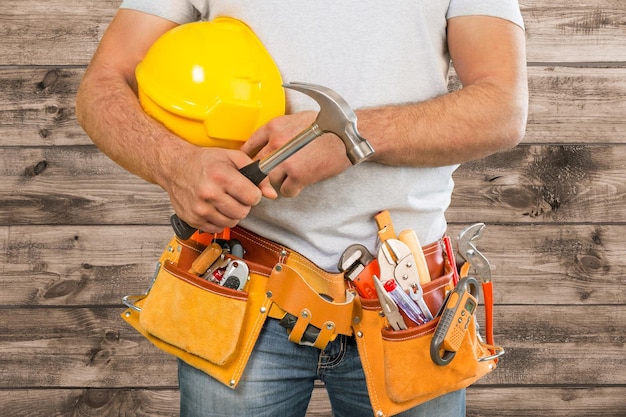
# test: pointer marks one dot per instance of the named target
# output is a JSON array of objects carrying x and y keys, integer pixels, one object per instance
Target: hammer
[{"x": 335, "y": 116}]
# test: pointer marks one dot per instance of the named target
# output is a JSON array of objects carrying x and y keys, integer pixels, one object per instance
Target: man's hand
[
  {"x": 204, "y": 185},
  {"x": 210, "y": 193},
  {"x": 323, "y": 158}
]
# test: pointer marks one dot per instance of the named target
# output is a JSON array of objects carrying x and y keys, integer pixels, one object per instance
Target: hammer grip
[{"x": 253, "y": 172}]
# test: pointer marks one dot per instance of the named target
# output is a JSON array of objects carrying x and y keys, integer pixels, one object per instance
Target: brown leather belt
[
  {"x": 268, "y": 253},
  {"x": 305, "y": 294}
]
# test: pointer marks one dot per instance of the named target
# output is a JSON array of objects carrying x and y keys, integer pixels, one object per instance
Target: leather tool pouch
[
  {"x": 211, "y": 327},
  {"x": 215, "y": 328},
  {"x": 397, "y": 364}
]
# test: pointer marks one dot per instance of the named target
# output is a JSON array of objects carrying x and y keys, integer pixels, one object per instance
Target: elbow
[
  {"x": 80, "y": 104},
  {"x": 514, "y": 126},
  {"x": 516, "y": 130}
]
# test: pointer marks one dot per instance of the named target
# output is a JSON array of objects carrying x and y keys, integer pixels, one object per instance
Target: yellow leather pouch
[
  {"x": 399, "y": 371},
  {"x": 211, "y": 327}
]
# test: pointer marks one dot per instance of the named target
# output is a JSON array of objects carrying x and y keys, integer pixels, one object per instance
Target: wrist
[{"x": 172, "y": 155}]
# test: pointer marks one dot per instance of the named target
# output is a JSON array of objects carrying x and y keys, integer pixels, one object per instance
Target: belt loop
[{"x": 297, "y": 332}]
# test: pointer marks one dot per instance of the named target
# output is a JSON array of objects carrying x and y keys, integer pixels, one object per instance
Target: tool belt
[{"x": 213, "y": 325}]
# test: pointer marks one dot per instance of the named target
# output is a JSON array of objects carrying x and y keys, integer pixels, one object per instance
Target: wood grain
[
  {"x": 482, "y": 402},
  {"x": 544, "y": 184},
  {"x": 59, "y": 33},
  {"x": 571, "y": 31},
  {"x": 92, "y": 347},
  {"x": 567, "y": 105},
  {"x": 97, "y": 265},
  {"x": 77, "y": 232},
  {"x": 528, "y": 184},
  {"x": 54, "y": 32}
]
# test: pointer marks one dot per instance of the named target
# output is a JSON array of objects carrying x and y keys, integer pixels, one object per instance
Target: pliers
[
  {"x": 468, "y": 251},
  {"x": 396, "y": 260},
  {"x": 391, "y": 310}
]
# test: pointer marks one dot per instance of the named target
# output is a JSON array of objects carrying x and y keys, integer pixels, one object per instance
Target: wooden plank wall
[{"x": 77, "y": 232}]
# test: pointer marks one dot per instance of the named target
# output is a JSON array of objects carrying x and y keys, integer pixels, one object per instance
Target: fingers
[
  {"x": 214, "y": 218},
  {"x": 256, "y": 142},
  {"x": 268, "y": 190},
  {"x": 288, "y": 185},
  {"x": 209, "y": 192}
]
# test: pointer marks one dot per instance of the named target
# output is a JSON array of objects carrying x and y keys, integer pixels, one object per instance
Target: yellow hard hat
[{"x": 211, "y": 83}]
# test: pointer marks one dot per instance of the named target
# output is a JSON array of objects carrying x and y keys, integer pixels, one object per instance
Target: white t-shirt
[{"x": 371, "y": 53}]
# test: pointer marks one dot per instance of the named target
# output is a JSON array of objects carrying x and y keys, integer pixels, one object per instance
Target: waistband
[
  {"x": 268, "y": 253},
  {"x": 308, "y": 288}
]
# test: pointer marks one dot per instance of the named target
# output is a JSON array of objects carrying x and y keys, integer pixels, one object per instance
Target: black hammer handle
[{"x": 252, "y": 171}]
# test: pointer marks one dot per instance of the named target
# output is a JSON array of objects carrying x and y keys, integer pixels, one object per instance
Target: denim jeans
[{"x": 279, "y": 379}]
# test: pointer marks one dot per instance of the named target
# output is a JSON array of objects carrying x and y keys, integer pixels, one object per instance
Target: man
[{"x": 390, "y": 61}]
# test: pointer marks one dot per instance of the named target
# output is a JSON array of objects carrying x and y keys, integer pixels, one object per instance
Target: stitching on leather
[
  {"x": 243, "y": 297},
  {"x": 275, "y": 248}
]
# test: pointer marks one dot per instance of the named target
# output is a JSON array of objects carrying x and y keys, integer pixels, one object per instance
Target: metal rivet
[
  {"x": 232, "y": 382},
  {"x": 381, "y": 314},
  {"x": 278, "y": 268},
  {"x": 405, "y": 277},
  {"x": 356, "y": 320},
  {"x": 269, "y": 294},
  {"x": 127, "y": 314},
  {"x": 330, "y": 326},
  {"x": 179, "y": 248},
  {"x": 283, "y": 253},
  {"x": 170, "y": 249},
  {"x": 305, "y": 314},
  {"x": 409, "y": 264},
  {"x": 379, "y": 414},
  {"x": 263, "y": 310},
  {"x": 359, "y": 334}
]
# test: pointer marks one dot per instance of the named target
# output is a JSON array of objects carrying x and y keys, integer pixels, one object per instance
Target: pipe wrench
[
  {"x": 468, "y": 251},
  {"x": 396, "y": 260},
  {"x": 359, "y": 266}
]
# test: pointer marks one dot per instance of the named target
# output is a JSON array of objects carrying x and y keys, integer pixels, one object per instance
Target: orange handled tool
[
  {"x": 205, "y": 259},
  {"x": 409, "y": 238},
  {"x": 469, "y": 252}
]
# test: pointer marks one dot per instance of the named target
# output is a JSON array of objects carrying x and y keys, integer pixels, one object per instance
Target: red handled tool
[
  {"x": 359, "y": 266},
  {"x": 469, "y": 252}
]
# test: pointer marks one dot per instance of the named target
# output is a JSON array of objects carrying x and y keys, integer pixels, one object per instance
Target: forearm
[
  {"x": 109, "y": 112},
  {"x": 461, "y": 126},
  {"x": 203, "y": 184}
]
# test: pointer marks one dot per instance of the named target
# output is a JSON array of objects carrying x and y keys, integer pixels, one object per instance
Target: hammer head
[{"x": 337, "y": 117}]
